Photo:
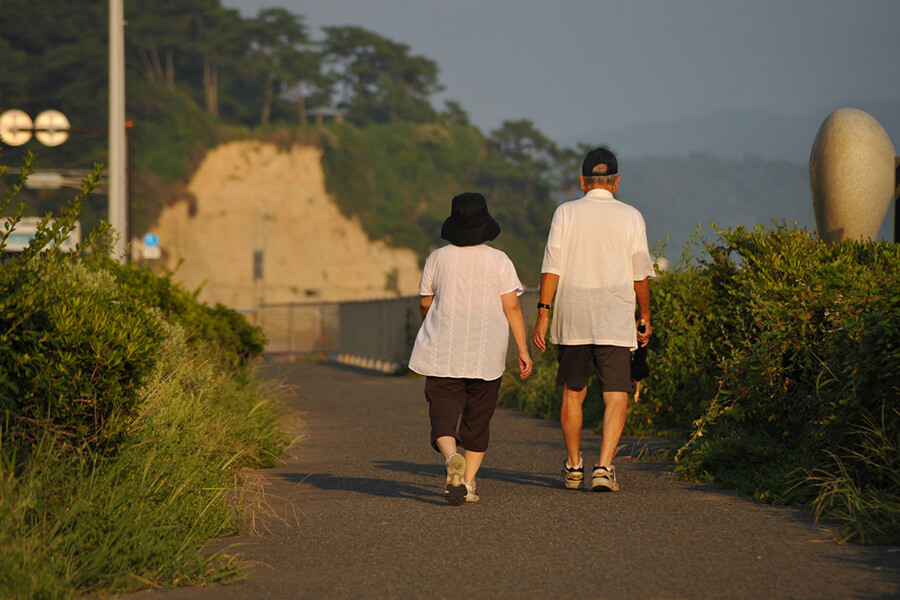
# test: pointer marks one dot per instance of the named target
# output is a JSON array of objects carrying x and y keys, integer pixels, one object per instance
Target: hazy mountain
[
  {"x": 735, "y": 134},
  {"x": 675, "y": 194}
]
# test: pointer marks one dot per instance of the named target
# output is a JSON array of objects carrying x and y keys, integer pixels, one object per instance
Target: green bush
[
  {"x": 80, "y": 522},
  {"x": 539, "y": 394},
  {"x": 222, "y": 327},
  {"x": 75, "y": 348},
  {"x": 802, "y": 342},
  {"x": 78, "y": 339},
  {"x": 124, "y": 407},
  {"x": 682, "y": 357}
]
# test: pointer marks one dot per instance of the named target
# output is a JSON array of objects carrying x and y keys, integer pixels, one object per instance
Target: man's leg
[
  {"x": 613, "y": 424},
  {"x": 571, "y": 419}
]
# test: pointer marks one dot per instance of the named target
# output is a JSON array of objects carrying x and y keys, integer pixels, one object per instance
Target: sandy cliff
[{"x": 252, "y": 195}]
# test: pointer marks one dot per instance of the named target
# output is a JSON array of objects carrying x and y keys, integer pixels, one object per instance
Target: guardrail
[{"x": 371, "y": 334}]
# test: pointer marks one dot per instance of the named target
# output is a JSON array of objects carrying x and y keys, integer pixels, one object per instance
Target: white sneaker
[
  {"x": 455, "y": 490},
  {"x": 604, "y": 480},
  {"x": 573, "y": 476},
  {"x": 471, "y": 496}
]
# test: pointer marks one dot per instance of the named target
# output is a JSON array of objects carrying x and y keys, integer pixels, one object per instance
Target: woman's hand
[{"x": 525, "y": 365}]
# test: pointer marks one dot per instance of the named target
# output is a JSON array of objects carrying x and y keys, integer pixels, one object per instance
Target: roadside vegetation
[
  {"x": 774, "y": 369},
  {"x": 126, "y": 410},
  {"x": 126, "y": 404}
]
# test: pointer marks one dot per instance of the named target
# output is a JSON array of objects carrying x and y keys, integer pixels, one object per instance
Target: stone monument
[
  {"x": 897, "y": 201},
  {"x": 852, "y": 176}
]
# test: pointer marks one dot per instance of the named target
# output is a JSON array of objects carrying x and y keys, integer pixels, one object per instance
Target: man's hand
[
  {"x": 549, "y": 281},
  {"x": 539, "y": 334},
  {"x": 644, "y": 336}
]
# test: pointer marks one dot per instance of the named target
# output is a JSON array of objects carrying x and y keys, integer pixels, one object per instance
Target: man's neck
[{"x": 601, "y": 187}]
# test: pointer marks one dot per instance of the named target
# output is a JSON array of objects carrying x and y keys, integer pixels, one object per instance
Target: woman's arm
[
  {"x": 517, "y": 323},
  {"x": 425, "y": 304}
]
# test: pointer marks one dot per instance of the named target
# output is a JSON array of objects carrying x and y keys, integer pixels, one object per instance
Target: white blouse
[{"x": 465, "y": 332}]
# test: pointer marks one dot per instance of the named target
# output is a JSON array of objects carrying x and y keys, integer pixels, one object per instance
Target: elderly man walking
[{"x": 596, "y": 263}]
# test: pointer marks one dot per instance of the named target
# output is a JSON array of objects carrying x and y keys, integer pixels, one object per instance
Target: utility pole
[{"x": 118, "y": 184}]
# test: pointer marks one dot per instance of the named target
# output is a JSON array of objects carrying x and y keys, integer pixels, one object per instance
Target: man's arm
[
  {"x": 549, "y": 282},
  {"x": 425, "y": 304},
  {"x": 642, "y": 293}
]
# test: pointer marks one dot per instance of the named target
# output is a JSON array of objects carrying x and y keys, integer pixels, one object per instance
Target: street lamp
[
  {"x": 118, "y": 183},
  {"x": 51, "y": 128}
]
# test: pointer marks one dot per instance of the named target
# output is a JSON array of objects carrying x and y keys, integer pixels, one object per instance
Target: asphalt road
[{"x": 371, "y": 522}]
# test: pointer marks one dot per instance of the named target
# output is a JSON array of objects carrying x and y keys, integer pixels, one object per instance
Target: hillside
[
  {"x": 247, "y": 195},
  {"x": 732, "y": 135}
]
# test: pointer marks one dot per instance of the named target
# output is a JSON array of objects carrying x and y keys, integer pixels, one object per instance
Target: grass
[
  {"x": 78, "y": 521},
  {"x": 864, "y": 509}
]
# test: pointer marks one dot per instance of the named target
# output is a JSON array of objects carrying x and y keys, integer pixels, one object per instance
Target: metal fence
[{"x": 373, "y": 334}]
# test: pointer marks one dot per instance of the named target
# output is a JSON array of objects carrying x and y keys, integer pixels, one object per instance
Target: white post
[{"x": 118, "y": 185}]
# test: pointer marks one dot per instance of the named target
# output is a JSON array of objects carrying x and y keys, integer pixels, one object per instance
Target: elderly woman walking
[{"x": 469, "y": 302}]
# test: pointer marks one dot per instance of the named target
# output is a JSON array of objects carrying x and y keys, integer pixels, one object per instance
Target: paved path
[{"x": 373, "y": 522}]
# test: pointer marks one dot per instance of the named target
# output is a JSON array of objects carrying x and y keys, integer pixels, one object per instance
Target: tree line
[
  {"x": 252, "y": 71},
  {"x": 195, "y": 68}
]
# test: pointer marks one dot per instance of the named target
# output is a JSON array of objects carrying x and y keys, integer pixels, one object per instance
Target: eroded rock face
[
  {"x": 252, "y": 195},
  {"x": 851, "y": 175}
]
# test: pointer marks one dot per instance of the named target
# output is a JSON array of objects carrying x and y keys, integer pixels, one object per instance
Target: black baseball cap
[{"x": 599, "y": 162}]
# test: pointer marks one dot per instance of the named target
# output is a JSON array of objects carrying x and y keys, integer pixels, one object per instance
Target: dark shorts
[
  {"x": 470, "y": 403},
  {"x": 612, "y": 364}
]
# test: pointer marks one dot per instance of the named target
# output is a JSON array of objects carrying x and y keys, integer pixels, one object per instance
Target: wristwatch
[{"x": 542, "y": 305}]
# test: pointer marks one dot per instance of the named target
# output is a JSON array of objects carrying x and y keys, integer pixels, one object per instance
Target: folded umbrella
[{"x": 639, "y": 367}]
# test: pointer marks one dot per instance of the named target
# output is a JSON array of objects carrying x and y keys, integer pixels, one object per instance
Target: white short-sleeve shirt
[
  {"x": 598, "y": 248},
  {"x": 465, "y": 332}
]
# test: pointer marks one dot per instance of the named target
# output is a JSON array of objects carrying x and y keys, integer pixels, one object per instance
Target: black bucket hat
[{"x": 469, "y": 223}]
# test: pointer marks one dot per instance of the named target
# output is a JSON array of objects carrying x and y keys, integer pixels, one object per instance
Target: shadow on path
[
  {"x": 385, "y": 488},
  {"x": 505, "y": 475}
]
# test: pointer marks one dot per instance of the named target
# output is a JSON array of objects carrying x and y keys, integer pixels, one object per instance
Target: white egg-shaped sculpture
[{"x": 851, "y": 176}]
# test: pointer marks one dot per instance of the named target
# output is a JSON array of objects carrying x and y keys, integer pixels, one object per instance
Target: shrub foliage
[
  {"x": 124, "y": 406},
  {"x": 798, "y": 348}
]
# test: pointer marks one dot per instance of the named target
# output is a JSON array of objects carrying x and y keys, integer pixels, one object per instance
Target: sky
[{"x": 574, "y": 67}]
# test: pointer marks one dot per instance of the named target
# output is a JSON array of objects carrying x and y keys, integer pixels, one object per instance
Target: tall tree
[
  {"x": 56, "y": 58},
  {"x": 522, "y": 144},
  {"x": 219, "y": 41},
  {"x": 376, "y": 79},
  {"x": 158, "y": 34},
  {"x": 454, "y": 114},
  {"x": 280, "y": 51}
]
